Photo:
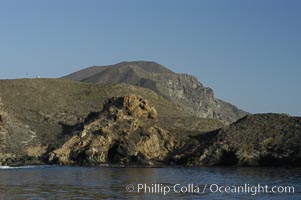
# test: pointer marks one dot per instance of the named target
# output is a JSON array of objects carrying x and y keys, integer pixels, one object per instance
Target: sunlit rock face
[{"x": 125, "y": 132}]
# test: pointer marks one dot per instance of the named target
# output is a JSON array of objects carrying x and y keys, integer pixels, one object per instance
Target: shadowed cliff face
[
  {"x": 125, "y": 132},
  {"x": 182, "y": 89}
]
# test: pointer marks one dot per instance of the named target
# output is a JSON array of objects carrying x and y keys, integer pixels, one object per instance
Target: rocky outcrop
[
  {"x": 255, "y": 140},
  {"x": 182, "y": 89},
  {"x": 125, "y": 132}
]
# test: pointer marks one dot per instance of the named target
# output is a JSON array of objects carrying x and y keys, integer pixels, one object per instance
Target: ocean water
[{"x": 55, "y": 182}]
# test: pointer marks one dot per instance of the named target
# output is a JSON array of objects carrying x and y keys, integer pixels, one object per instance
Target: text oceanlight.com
[{"x": 163, "y": 189}]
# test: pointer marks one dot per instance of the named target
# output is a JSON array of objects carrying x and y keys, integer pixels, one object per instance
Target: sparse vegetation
[{"x": 45, "y": 111}]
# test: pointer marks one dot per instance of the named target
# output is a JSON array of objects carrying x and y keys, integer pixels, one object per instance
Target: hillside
[
  {"x": 183, "y": 90},
  {"x": 58, "y": 121},
  {"x": 41, "y": 114},
  {"x": 255, "y": 140}
]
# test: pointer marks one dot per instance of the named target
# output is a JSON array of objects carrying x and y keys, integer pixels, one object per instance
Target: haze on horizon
[{"x": 248, "y": 52}]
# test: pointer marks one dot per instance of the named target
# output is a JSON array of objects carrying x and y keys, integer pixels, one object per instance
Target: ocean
[{"x": 85, "y": 183}]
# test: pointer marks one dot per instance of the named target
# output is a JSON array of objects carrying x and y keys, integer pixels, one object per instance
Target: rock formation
[{"x": 125, "y": 132}]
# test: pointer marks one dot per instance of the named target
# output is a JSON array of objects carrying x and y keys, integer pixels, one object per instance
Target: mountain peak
[
  {"x": 183, "y": 90},
  {"x": 148, "y": 66}
]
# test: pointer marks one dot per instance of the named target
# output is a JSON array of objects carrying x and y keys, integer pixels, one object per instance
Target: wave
[{"x": 24, "y": 167}]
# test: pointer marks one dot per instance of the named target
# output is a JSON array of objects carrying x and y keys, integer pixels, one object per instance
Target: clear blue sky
[{"x": 248, "y": 51}]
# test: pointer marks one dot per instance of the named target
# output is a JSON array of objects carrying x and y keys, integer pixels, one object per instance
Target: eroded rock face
[
  {"x": 193, "y": 97},
  {"x": 129, "y": 107},
  {"x": 125, "y": 132}
]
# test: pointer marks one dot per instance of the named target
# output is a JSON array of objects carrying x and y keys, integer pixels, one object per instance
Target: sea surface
[{"x": 83, "y": 183}]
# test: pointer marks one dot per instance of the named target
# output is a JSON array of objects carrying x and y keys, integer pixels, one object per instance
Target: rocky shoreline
[{"x": 126, "y": 132}]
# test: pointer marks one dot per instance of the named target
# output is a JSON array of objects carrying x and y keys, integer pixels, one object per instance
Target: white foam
[{"x": 24, "y": 167}]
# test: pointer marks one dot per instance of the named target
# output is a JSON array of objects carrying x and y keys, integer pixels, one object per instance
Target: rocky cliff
[
  {"x": 125, "y": 133},
  {"x": 184, "y": 90}
]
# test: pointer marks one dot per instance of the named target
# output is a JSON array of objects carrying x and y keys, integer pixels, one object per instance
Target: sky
[{"x": 247, "y": 51}]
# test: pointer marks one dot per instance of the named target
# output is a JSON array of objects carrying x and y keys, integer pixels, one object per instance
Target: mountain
[{"x": 183, "y": 90}]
